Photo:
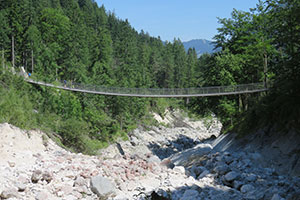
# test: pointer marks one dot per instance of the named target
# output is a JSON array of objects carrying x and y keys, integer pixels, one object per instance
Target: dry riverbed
[{"x": 170, "y": 162}]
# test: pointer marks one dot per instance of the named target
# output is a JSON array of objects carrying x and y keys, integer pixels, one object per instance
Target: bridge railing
[{"x": 203, "y": 91}]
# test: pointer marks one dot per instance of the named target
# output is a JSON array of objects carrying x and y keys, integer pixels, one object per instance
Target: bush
[
  {"x": 16, "y": 109},
  {"x": 72, "y": 132}
]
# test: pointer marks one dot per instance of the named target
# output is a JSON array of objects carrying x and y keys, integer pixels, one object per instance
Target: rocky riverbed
[{"x": 180, "y": 161}]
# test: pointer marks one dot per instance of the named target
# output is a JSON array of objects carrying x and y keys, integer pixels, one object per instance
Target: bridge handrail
[{"x": 156, "y": 92}]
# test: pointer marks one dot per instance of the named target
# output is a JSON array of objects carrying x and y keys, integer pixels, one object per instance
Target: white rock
[
  {"x": 42, "y": 195},
  {"x": 179, "y": 169},
  {"x": 70, "y": 197},
  {"x": 60, "y": 193},
  {"x": 21, "y": 187},
  {"x": 36, "y": 176},
  {"x": 183, "y": 157},
  {"x": 102, "y": 186},
  {"x": 79, "y": 181},
  {"x": 150, "y": 184},
  {"x": 134, "y": 141},
  {"x": 121, "y": 197},
  {"x": 9, "y": 193}
]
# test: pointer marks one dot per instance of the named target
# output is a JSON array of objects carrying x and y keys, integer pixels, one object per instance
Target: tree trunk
[
  {"x": 187, "y": 101},
  {"x": 13, "y": 50},
  {"x": 3, "y": 64},
  {"x": 121, "y": 123},
  {"x": 24, "y": 61},
  {"x": 56, "y": 73},
  {"x": 32, "y": 63},
  {"x": 240, "y": 103},
  {"x": 265, "y": 69},
  {"x": 246, "y": 105}
]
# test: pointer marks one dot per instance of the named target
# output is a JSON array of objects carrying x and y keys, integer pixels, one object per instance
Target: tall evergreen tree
[{"x": 4, "y": 35}]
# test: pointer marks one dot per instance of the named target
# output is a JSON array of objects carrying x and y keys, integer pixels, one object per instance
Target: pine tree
[{"x": 4, "y": 35}]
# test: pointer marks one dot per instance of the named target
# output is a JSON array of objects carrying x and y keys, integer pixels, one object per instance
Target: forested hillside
[
  {"x": 259, "y": 45},
  {"x": 78, "y": 41}
]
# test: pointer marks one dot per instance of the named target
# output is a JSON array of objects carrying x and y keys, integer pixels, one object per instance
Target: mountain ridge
[{"x": 201, "y": 46}]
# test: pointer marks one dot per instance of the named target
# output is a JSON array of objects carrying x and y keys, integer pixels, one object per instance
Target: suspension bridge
[{"x": 156, "y": 92}]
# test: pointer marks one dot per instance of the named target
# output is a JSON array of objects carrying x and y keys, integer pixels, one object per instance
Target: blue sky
[{"x": 169, "y": 19}]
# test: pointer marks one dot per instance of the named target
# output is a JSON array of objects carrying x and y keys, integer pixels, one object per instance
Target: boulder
[
  {"x": 47, "y": 176},
  {"x": 79, "y": 181},
  {"x": 251, "y": 178},
  {"x": 247, "y": 188},
  {"x": 221, "y": 169},
  {"x": 167, "y": 163},
  {"x": 276, "y": 197},
  {"x": 36, "y": 176},
  {"x": 237, "y": 184},
  {"x": 197, "y": 170},
  {"x": 42, "y": 195},
  {"x": 21, "y": 187},
  {"x": 102, "y": 186},
  {"x": 203, "y": 174},
  {"x": 198, "y": 151},
  {"x": 134, "y": 141},
  {"x": 231, "y": 176},
  {"x": 9, "y": 193},
  {"x": 179, "y": 169},
  {"x": 190, "y": 194},
  {"x": 153, "y": 159}
]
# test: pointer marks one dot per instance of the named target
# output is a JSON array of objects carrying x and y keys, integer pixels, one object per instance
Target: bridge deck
[{"x": 158, "y": 92}]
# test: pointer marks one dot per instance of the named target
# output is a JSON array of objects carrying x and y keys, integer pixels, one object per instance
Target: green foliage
[
  {"x": 75, "y": 135},
  {"x": 15, "y": 105},
  {"x": 281, "y": 105},
  {"x": 64, "y": 103},
  {"x": 257, "y": 45}
]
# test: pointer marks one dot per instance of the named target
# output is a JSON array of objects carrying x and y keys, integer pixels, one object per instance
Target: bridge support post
[
  {"x": 187, "y": 100},
  {"x": 240, "y": 103}
]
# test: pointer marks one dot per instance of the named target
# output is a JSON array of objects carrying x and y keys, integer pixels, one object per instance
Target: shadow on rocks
[
  {"x": 194, "y": 192},
  {"x": 172, "y": 146}
]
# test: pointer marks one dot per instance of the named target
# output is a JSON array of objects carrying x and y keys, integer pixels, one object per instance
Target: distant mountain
[{"x": 201, "y": 46}]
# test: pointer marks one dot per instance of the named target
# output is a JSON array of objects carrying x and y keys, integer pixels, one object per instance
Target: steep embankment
[
  {"x": 278, "y": 150},
  {"x": 170, "y": 162}
]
